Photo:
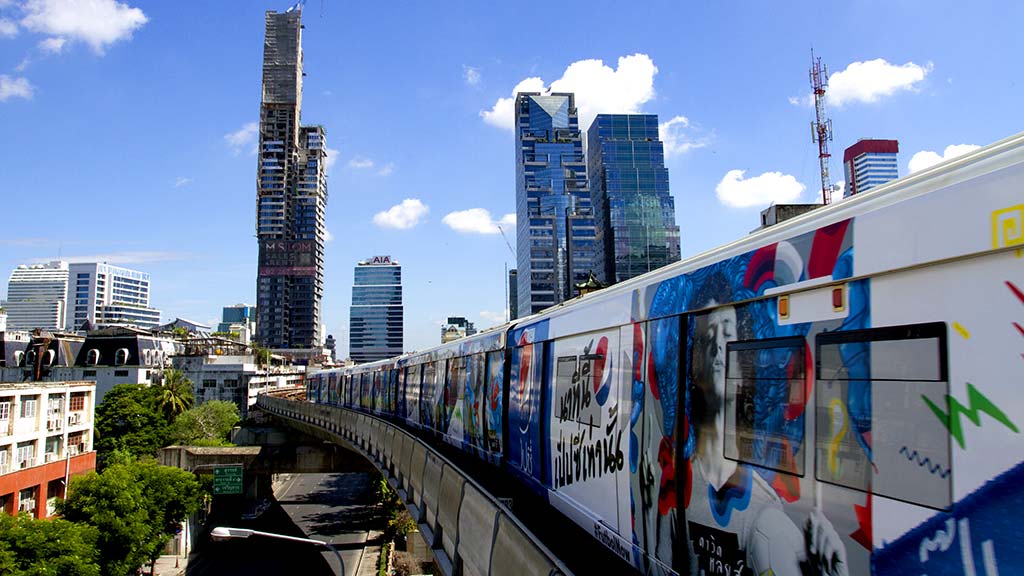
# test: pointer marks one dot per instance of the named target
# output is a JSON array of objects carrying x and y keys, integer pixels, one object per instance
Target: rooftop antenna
[{"x": 821, "y": 128}]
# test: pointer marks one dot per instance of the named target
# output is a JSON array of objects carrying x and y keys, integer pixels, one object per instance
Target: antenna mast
[{"x": 821, "y": 128}]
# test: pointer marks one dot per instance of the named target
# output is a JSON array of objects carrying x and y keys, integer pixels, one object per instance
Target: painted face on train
[{"x": 715, "y": 329}]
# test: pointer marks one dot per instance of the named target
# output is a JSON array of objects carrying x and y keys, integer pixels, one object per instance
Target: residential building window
[
  {"x": 26, "y": 454},
  {"x": 28, "y": 406},
  {"x": 88, "y": 374},
  {"x": 27, "y": 500},
  {"x": 5, "y": 408},
  {"x": 5, "y": 462},
  {"x": 120, "y": 373},
  {"x": 231, "y": 383},
  {"x": 209, "y": 383},
  {"x": 78, "y": 400},
  {"x": 76, "y": 443}
]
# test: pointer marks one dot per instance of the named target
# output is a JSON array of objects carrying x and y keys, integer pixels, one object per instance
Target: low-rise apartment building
[{"x": 46, "y": 437}]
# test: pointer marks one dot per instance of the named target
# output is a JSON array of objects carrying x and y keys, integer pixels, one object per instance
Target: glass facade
[
  {"x": 636, "y": 214},
  {"x": 291, "y": 197},
  {"x": 376, "y": 320},
  {"x": 870, "y": 163},
  {"x": 554, "y": 219}
]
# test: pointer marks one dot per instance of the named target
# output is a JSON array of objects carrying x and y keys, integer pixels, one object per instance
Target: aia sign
[{"x": 380, "y": 260}]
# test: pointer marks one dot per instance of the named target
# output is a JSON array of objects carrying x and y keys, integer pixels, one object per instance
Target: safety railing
[{"x": 470, "y": 532}]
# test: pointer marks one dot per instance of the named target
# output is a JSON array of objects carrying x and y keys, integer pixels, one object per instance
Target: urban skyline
[{"x": 730, "y": 150}]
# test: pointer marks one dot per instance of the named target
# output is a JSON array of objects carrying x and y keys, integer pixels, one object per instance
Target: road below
[{"x": 336, "y": 508}]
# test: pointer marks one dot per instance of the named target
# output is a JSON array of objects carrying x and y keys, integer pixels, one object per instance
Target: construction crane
[
  {"x": 507, "y": 243},
  {"x": 821, "y": 128}
]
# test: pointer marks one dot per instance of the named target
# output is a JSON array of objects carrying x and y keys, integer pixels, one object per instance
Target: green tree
[
  {"x": 135, "y": 506},
  {"x": 174, "y": 395},
  {"x": 205, "y": 425},
  {"x": 38, "y": 547},
  {"x": 127, "y": 419}
]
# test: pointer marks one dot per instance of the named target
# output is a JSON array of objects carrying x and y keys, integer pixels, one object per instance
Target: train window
[
  {"x": 875, "y": 430},
  {"x": 765, "y": 391},
  {"x": 574, "y": 391},
  {"x": 493, "y": 400}
]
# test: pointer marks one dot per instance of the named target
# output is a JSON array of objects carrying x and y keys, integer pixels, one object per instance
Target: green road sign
[{"x": 227, "y": 480}]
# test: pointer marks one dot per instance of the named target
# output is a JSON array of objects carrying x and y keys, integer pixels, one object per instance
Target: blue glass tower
[
  {"x": 376, "y": 320},
  {"x": 636, "y": 215},
  {"x": 555, "y": 246}
]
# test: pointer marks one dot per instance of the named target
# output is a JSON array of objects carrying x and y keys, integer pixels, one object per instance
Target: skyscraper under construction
[{"x": 291, "y": 196}]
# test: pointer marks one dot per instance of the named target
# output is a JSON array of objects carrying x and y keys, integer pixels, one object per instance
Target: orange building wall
[{"x": 41, "y": 476}]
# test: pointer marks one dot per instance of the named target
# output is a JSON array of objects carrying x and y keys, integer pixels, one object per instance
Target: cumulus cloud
[
  {"x": 927, "y": 158},
  {"x": 182, "y": 181},
  {"x": 599, "y": 88},
  {"x": 244, "y": 137},
  {"x": 871, "y": 80},
  {"x": 8, "y": 29},
  {"x": 735, "y": 191},
  {"x": 471, "y": 75},
  {"x": 402, "y": 216},
  {"x": 478, "y": 221},
  {"x": 98, "y": 23},
  {"x": 676, "y": 137},
  {"x": 331, "y": 156},
  {"x": 327, "y": 235},
  {"x": 387, "y": 169},
  {"x": 52, "y": 45},
  {"x": 14, "y": 88},
  {"x": 360, "y": 162}
]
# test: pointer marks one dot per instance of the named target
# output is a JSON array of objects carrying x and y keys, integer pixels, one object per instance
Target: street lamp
[{"x": 224, "y": 533}]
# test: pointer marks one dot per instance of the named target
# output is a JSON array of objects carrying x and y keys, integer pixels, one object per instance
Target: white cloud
[
  {"x": 769, "y": 188},
  {"x": 501, "y": 114},
  {"x": 181, "y": 181},
  {"x": 360, "y": 162},
  {"x": 871, "y": 80},
  {"x": 14, "y": 88},
  {"x": 402, "y": 216},
  {"x": 494, "y": 317},
  {"x": 598, "y": 87},
  {"x": 676, "y": 140},
  {"x": 98, "y": 23},
  {"x": 331, "y": 158},
  {"x": 471, "y": 75},
  {"x": 478, "y": 221},
  {"x": 794, "y": 100},
  {"x": 243, "y": 138},
  {"x": 927, "y": 158},
  {"x": 52, "y": 45},
  {"x": 387, "y": 169},
  {"x": 8, "y": 29},
  {"x": 327, "y": 235}
]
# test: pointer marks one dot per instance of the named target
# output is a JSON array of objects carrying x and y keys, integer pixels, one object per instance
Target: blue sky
[{"x": 125, "y": 128}]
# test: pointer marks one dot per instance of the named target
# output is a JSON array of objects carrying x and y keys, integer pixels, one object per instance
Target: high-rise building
[
  {"x": 376, "y": 320},
  {"x": 291, "y": 196},
  {"x": 37, "y": 296},
  {"x": 107, "y": 295},
  {"x": 513, "y": 294},
  {"x": 456, "y": 327},
  {"x": 554, "y": 220},
  {"x": 240, "y": 318},
  {"x": 635, "y": 214},
  {"x": 870, "y": 163}
]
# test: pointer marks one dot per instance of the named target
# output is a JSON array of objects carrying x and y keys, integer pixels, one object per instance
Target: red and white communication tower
[{"x": 821, "y": 128}]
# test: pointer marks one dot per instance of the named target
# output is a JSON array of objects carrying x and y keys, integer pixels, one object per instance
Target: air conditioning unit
[
  {"x": 52, "y": 425},
  {"x": 25, "y": 464},
  {"x": 75, "y": 419}
]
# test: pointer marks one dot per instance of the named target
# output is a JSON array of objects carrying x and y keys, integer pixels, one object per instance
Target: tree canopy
[
  {"x": 205, "y": 425},
  {"x": 38, "y": 547},
  {"x": 135, "y": 506},
  {"x": 128, "y": 419}
]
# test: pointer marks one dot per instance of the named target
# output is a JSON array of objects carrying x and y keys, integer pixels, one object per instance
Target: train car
[{"x": 836, "y": 394}]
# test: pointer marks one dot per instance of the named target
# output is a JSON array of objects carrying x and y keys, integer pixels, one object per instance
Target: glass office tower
[
  {"x": 636, "y": 215},
  {"x": 870, "y": 163},
  {"x": 554, "y": 219},
  {"x": 376, "y": 320}
]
